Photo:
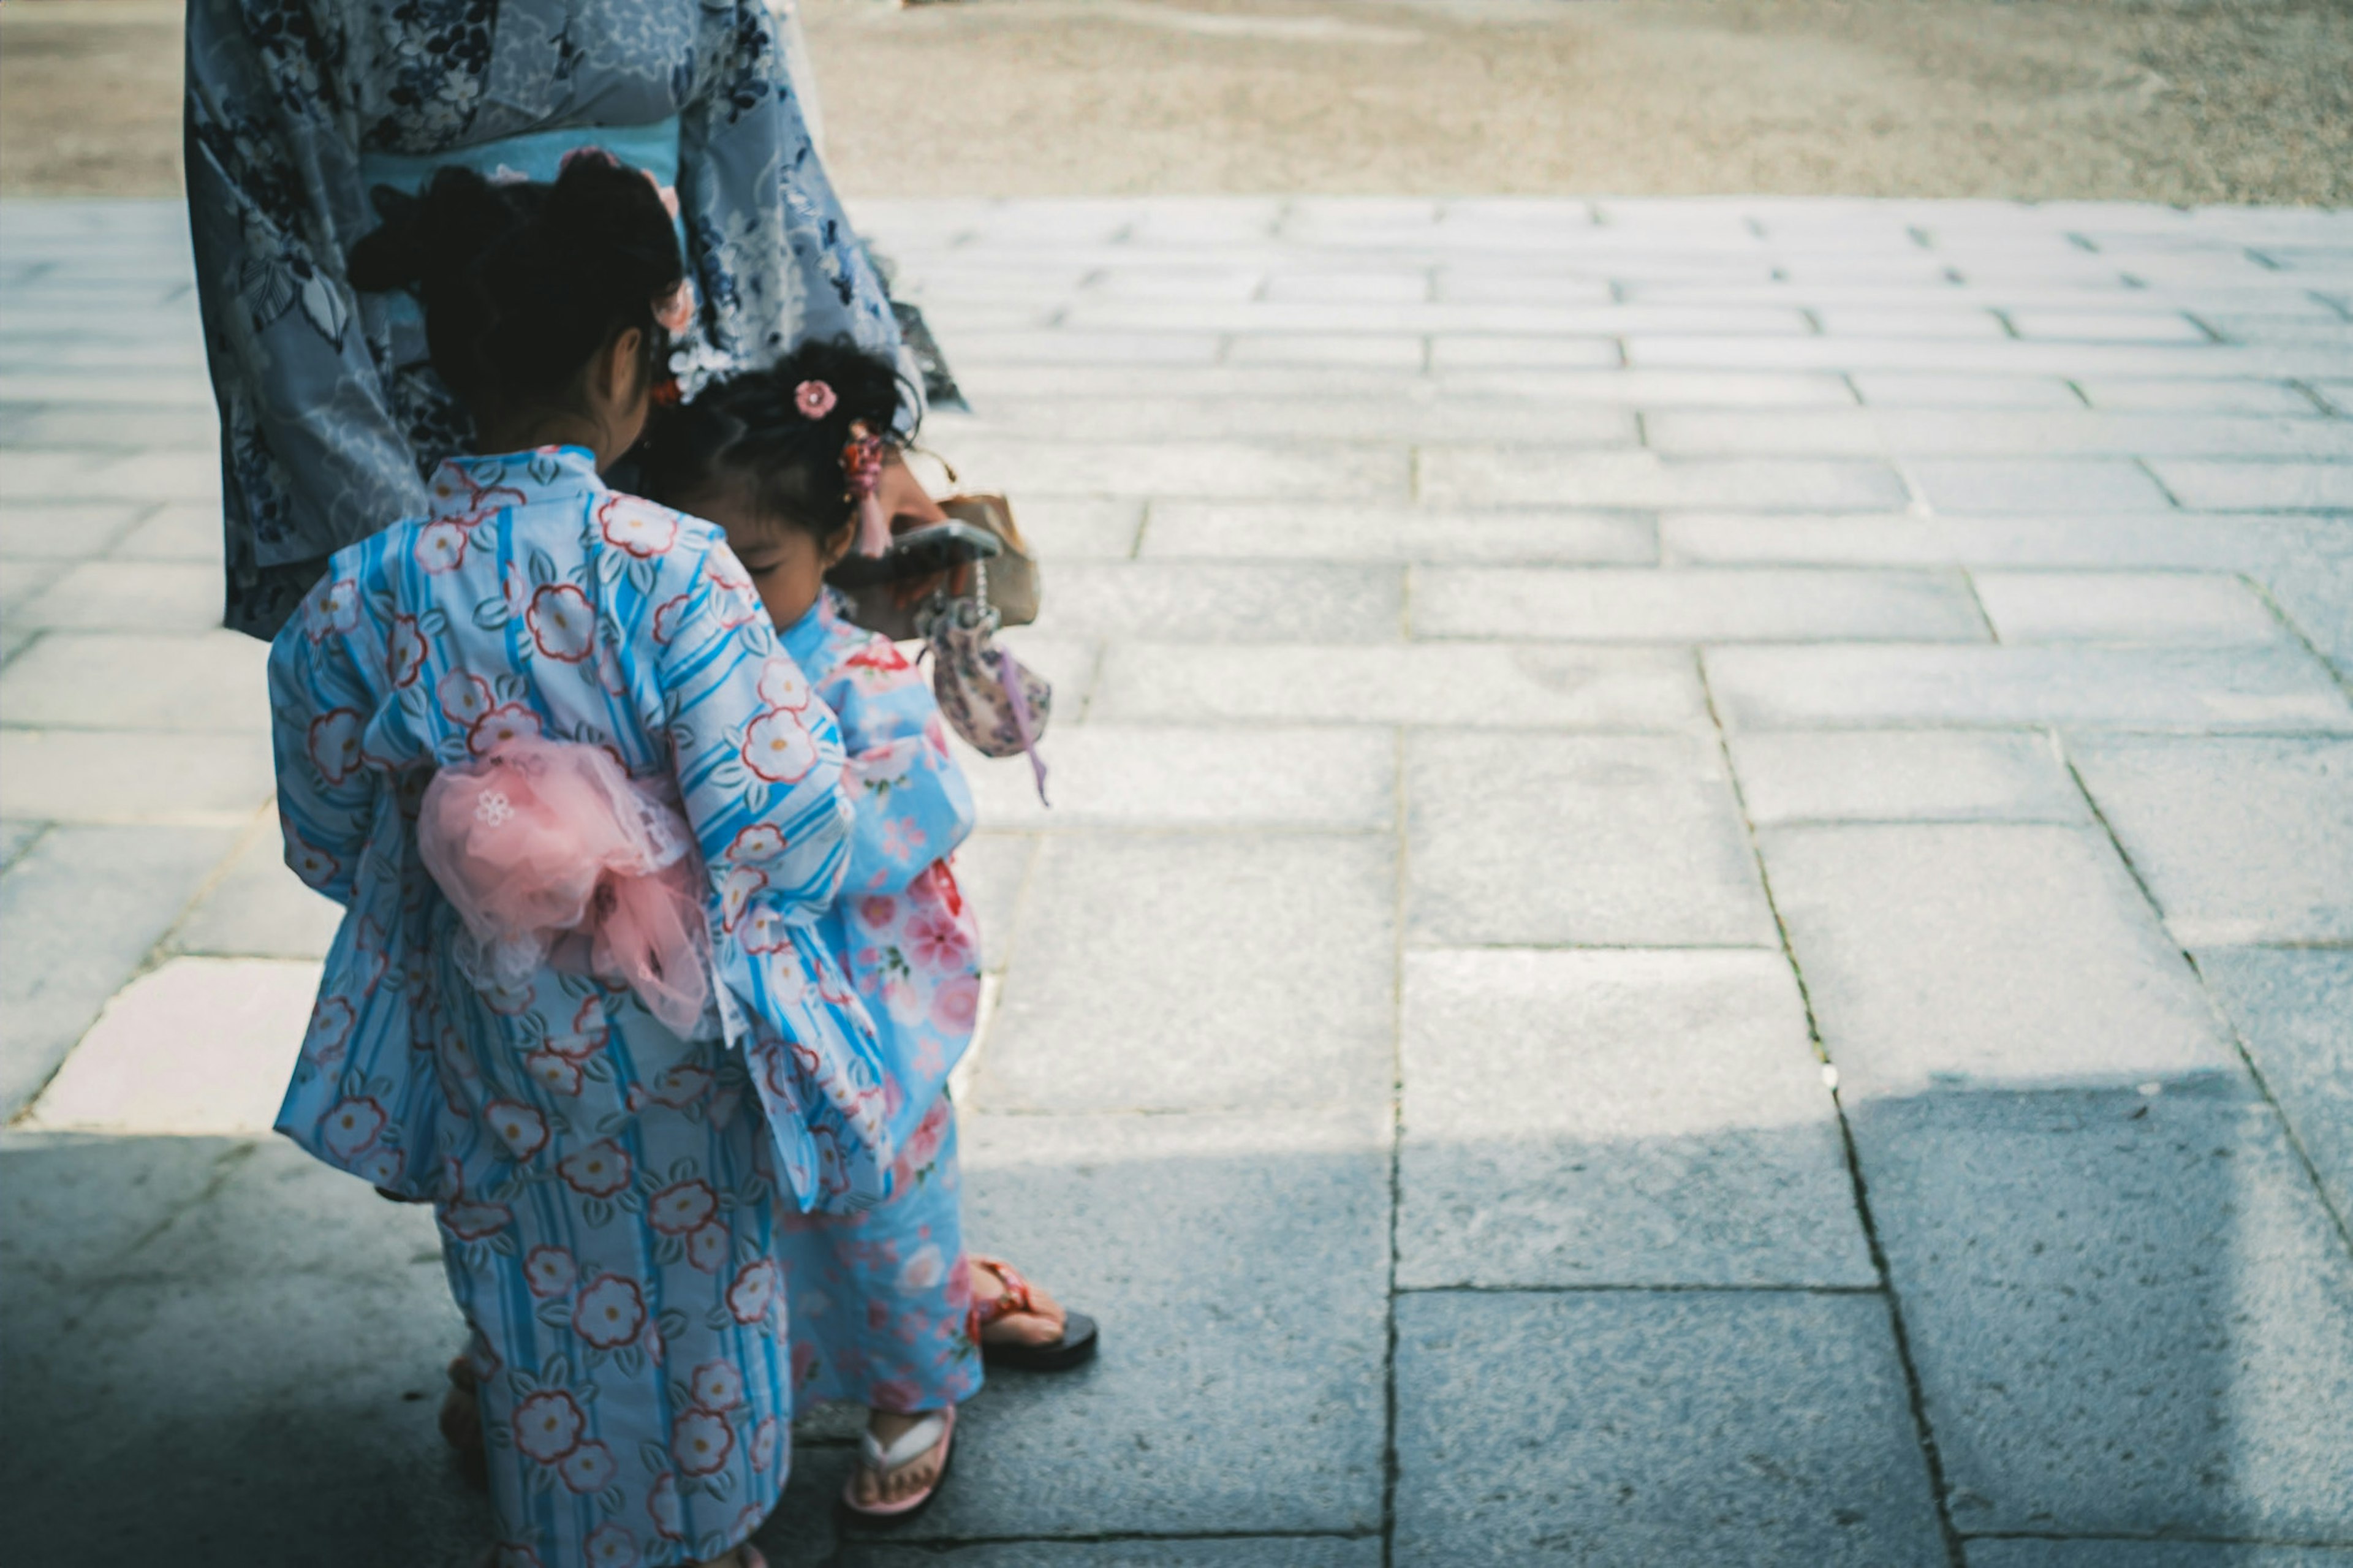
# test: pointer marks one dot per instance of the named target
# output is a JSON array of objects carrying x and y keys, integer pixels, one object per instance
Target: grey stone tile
[
  {"x": 1930, "y": 389},
  {"x": 1222, "y": 602},
  {"x": 2293, "y": 1008},
  {"x": 2240, "y": 840},
  {"x": 131, "y": 596},
  {"x": 157, "y": 425},
  {"x": 990, "y": 868},
  {"x": 15, "y": 837},
  {"x": 2240, "y": 397},
  {"x": 2256, "y": 486},
  {"x": 1664, "y": 1122},
  {"x": 2108, "y": 326},
  {"x": 1472, "y": 476},
  {"x": 1257, "y": 530},
  {"x": 1459, "y": 351},
  {"x": 2103, "y": 540},
  {"x": 1522, "y": 840},
  {"x": 133, "y": 775},
  {"x": 1196, "y": 972},
  {"x": 1394, "y": 351},
  {"x": 2199, "y": 609},
  {"x": 1080, "y": 528},
  {"x": 1239, "y": 1266},
  {"x": 2213, "y": 690},
  {"x": 1062, "y": 346},
  {"x": 1691, "y": 604},
  {"x": 21, "y": 583},
  {"x": 1406, "y": 409},
  {"x": 2128, "y": 1312},
  {"x": 2134, "y": 1553},
  {"x": 1468, "y": 684},
  {"x": 63, "y": 531},
  {"x": 123, "y": 681},
  {"x": 1903, "y": 775},
  {"x": 145, "y": 475},
  {"x": 2009, "y": 484},
  {"x": 274, "y": 1338},
  {"x": 1992, "y": 954},
  {"x": 261, "y": 909},
  {"x": 78, "y": 914},
  {"x": 1719, "y": 1428},
  {"x": 1644, "y": 388},
  {"x": 1245, "y": 470},
  {"x": 175, "y": 534},
  {"x": 1119, "y": 776},
  {"x": 1264, "y": 1552}
]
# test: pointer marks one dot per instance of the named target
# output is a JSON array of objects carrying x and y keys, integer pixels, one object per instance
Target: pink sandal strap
[{"x": 1016, "y": 1300}]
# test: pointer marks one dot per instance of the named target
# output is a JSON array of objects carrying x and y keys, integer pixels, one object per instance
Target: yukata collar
[
  {"x": 464, "y": 487},
  {"x": 806, "y": 637}
]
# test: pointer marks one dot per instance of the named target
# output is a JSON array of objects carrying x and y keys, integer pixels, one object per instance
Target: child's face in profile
[{"x": 787, "y": 564}]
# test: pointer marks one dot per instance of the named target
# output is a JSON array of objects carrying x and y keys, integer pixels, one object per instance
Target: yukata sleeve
[
  {"x": 759, "y": 768},
  {"x": 312, "y": 454},
  {"x": 320, "y": 706},
  {"x": 775, "y": 255},
  {"x": 914, "y": 803}
]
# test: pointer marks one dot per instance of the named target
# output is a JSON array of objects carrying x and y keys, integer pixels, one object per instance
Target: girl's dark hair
[
  {"x": 523, "y": 282},
  {"x": 748, "y": 436}
]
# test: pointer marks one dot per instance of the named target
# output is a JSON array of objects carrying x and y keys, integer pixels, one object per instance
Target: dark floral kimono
[{"x": 331, "y": 418}]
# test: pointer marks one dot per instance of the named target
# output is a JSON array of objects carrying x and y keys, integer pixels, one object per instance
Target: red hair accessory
[{"x": 861, "y": 465}]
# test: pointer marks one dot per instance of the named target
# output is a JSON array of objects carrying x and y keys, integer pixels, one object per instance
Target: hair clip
[
  {"x": 861, "y": 465},
  {"x": 676, "y": 313},
  {"x": 815, "y": 399}
]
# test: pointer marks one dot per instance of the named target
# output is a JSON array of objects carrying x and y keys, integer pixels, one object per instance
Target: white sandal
[{"x": 935, "y": 1433}]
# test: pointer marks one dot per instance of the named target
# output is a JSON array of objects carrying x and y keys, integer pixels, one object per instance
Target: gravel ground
[{"x": 2234, "y": 100}]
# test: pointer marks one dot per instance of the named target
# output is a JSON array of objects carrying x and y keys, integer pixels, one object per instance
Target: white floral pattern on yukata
[
  {"x": 327, "y": 427},
  {"x": 606, "y": 1191},
  {"x": 880, "y": 1299}
]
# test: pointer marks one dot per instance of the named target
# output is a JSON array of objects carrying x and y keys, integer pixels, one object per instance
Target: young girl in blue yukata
[
  {"x": 590, "y": 824},
  {"x": 786, "y": 460}
]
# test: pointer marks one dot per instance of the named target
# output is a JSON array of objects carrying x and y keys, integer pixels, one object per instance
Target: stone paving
[{"x": 1699, "y": 907}]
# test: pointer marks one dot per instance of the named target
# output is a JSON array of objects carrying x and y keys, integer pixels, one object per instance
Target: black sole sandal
[{"x": 1080, "y": 1334}]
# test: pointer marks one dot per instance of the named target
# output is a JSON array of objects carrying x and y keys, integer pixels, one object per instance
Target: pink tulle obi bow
[{"x": 555, "y": 857}]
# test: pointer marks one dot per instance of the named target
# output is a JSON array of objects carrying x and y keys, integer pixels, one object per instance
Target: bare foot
[
  {"x": 871, "y": 1488},
  {"x": 1042, "y": 1326}
]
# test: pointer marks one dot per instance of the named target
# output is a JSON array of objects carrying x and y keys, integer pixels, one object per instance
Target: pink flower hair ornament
[
  {"x": 676, "y": 313},
  {"x": 815, "y": 399}
]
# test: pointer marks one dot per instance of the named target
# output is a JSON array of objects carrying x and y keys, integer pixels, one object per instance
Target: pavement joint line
[
  {"x": 1401, "y": 903},
  {"x": 2214, "y": 1004},
  {"x": 943, "y": 1545},
  {"x": 2262, "y": 590},
  {"x": 1631, "y": 1288},
  {"x": 1916, "y": 1395},
  {"x": 2309, "y": 1543}
]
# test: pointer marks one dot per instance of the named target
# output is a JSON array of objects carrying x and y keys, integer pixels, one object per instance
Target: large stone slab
[
  {"x": 2240, "y": 840},
  {"x": 1904, "y": 775},
  {"x": 2124, "y": 606},
  {"x": 1198, "y": 970},
  {"x": 1268, "y": 531},
  {"x": 134, "y": 775},
  {"x": 91, "y": 681},
  {"x": 2083, "y": 686},
  {"x": 1525, "y": 840},
  {"x": 2293, "y": 1008},
  {"x": 258, "y": 909},
  {"x": 1239, "y": 1266},
  {"x": 2031, "y": 1552},
  {"x": 1693, "y": 604},
  {"x": 1476, "y": 475},
  {"x": 2129, "y": 1312},
  {"x": 1618, "y": 1118},
  {"x": 1725, "y": 1428},
  {"x": 1264, "y": 1552},
  {"x": 274, "y": 1335},
  {"x": 1151, "y": 776},
  {"x": 1497, "y": 685},
  {"x": 1226, "y": 602},
  {"x": 79, "y": 912},
  {"x": 196, "y": 1046},
  {"x": 1985, "y": 954}
]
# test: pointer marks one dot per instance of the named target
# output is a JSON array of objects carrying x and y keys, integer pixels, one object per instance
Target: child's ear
[{"x": 831, "y": 550}]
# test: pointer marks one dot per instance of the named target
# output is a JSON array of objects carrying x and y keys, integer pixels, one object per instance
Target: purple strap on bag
[{"x": 1008, "y": 675}]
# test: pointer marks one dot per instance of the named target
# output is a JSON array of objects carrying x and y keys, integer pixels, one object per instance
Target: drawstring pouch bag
[
  {"x": 553, "y": 857},
  {"x": 995, "y": 702}
]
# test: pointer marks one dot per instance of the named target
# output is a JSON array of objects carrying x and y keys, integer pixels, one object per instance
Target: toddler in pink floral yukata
[{"x": 787, "y": 461}]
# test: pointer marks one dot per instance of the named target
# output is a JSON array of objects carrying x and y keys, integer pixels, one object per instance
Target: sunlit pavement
[{"x": 1698, "y": 910}]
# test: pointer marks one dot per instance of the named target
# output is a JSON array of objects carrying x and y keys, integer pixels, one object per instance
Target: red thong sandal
[
  {"x": 1079, "y": 1333},
  {"x": 935, "y": 1434}
]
